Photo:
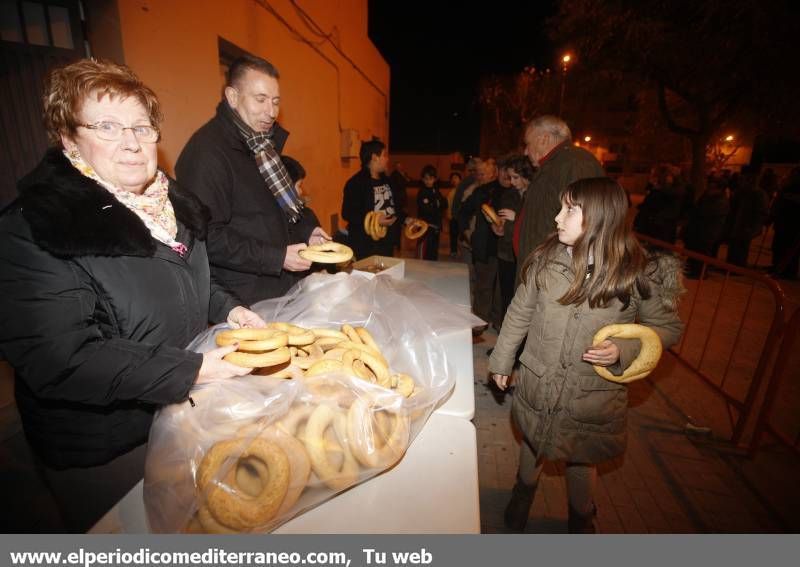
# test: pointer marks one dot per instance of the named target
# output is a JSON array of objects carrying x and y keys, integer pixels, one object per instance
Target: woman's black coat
[{"x": 96, "y": 313}]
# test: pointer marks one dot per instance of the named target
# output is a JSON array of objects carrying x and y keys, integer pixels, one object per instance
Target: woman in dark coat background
[{"x": 105, "y": 280}]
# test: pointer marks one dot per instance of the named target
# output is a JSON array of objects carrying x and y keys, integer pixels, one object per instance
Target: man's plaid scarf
[{"x": 270, "y": 166}]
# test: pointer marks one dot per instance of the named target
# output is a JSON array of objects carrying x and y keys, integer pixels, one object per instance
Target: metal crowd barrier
[
  {"x": 783, "y": 371},
  {"x": 744, "y": 403}
]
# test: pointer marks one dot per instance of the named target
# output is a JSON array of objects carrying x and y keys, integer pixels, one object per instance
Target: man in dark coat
[
  {"x": 548, "y": 145},
  {"x": 370, "y": 190},
  {"x": 232, "y": 163}
]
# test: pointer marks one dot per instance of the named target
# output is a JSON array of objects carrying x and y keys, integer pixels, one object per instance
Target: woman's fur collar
[{"x": 71, "y": 215}]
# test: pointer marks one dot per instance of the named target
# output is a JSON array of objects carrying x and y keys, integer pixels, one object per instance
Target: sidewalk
[{"x": 667, "y": 481}]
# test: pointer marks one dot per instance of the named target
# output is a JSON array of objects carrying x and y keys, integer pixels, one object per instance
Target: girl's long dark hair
[{"x": 618, "y": 260}]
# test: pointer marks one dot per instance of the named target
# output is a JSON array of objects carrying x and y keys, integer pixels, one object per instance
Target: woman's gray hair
[{"x": 552, "y": 125}]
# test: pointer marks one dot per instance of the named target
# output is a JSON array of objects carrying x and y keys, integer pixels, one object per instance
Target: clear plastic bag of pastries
[{"x": 364, "y": 371}]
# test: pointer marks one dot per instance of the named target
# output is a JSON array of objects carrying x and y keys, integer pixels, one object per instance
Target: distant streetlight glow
[
  {"x": 587, "y": 139},
  {"x": 564, "y": 63}
]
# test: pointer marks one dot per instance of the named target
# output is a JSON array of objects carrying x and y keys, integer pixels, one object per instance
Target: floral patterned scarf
[{"x": 153, "y": 206}]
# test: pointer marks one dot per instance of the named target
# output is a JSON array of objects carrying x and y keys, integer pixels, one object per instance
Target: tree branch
[{"x": 674, "y": 126}]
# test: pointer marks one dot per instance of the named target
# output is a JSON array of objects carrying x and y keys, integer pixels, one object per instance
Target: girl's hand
[
  {"x": 214, "y": 368},
  {"x": 507, "y": 214},
  {"x": 243, "y": 317},
  {"x": 604, "y": 354},
  {"x": 498, "y": 230},
  {"x": 502, "y": 381}
]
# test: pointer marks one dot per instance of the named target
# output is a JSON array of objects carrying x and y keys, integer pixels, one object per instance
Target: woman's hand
[
  {"x": 214, "y": 368},
  {"x": 604, "y": 354},
  {"x": 502, "y": 381},
  {"x": 318, "y": 236},
  {"x": 507, "y": 214},
  {"x": 243, "y": 317},
  {"x": 498, "y": 230}
]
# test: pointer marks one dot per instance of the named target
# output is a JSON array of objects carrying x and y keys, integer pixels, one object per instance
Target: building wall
[{"x": 173, "y": 46}]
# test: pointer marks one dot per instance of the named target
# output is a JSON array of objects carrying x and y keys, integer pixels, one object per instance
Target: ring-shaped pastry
[
  {"x": 258, "y": 360},
  {"x": 415, "y": 229},
  {"x": 327, "y": 253},
  {"x": 371, "y": 446},
  {"x": 234, "y": 510},
  {"x": 322, "y": 418},
  {"x": 270, "y": 338},
  {"x": 298, "y": 336},
  {"x": 644, "y": 363}
]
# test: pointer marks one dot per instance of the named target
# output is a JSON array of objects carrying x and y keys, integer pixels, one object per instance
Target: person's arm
[
  {"x": 210, "y": 176},
  {"x": 49, "y": 335},
  {"x": 659, "y": 312},
  {"x": 515, "y": 328}
]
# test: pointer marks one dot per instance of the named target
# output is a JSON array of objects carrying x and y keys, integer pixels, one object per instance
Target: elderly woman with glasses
[{"x": 104, "y": 280}]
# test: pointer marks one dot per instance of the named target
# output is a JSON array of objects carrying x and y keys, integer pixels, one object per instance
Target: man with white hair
[{"x": 548, "y": 144}]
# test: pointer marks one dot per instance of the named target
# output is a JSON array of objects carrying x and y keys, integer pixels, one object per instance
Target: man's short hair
[
  {"x": 553, "y": 125},
  {"x": 428, "y": 170},
  {"x": 373, "y": 147},
  {"x": 245, "y": 63}
]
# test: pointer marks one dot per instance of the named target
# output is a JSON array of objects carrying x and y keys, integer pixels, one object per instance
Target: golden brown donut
[
  {"x": 299, "y": 464},
  {"x": 259, "y": 360},
  {"x": 403, "y": 384},
  {"x": 324, "y": 366},
  {"x": 351, "y": 333},
  {"x": 336, "y": 478},
  {"x": 369, "y": 350},
  {"x": 233, "y": 510},
  {"x": 268, "y": 339},
  {"x": 369, "y": 445},
  {"x": 644, "y": 363},
  {"x": 367, "y": 339},
  {"x": 327, "y": 253},
  {"x": 297, "y": 336},
  {"x": 376, "y": 366},
  {"x": 490, "y": 214},
  {"x": 319, "y": 332},
  {"x": 415, "y": 229}
]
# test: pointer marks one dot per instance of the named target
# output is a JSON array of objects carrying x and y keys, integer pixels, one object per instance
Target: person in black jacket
[
  {"x": 486, "y": 302},
  {"x": 233, "y": 165},
  {"x": 370, "y": 190},
  {"x": 431, "y": 206},
  {"x": 105, "y": 280}
]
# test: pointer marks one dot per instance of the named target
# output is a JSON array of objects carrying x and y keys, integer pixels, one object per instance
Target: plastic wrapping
[{"x": 248, "y": 454}]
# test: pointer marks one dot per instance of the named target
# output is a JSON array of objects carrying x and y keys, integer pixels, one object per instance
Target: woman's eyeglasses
[{"x": 112, "y": 131}]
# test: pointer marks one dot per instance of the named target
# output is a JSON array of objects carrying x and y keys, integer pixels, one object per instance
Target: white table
[
  {"x": 451, "y": 281},
  {"x": 434, "y": 489}
]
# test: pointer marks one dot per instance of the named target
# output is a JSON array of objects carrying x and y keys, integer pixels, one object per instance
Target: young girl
[{"x": 590, "y": 273}]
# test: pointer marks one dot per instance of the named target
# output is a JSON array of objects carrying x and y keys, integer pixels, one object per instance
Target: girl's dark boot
[
  {"x": 519, "y": 507},
  {"x": 579, "y": 524}
]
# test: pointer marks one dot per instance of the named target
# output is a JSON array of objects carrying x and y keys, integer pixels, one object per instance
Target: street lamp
[{"x": 564, "y": 63}]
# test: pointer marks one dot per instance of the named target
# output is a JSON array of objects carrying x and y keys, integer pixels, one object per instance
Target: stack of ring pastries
[
  {"x": 251, "y": 481},
  {"x": 327, "y": 253},
  {"x": 415, "y": 229},
  {"x": 372, "y": 225},
  {"x": 285, "y": 350}
]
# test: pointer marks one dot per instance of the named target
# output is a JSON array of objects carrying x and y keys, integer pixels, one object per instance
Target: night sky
[{"x": 437, "y": 56}]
